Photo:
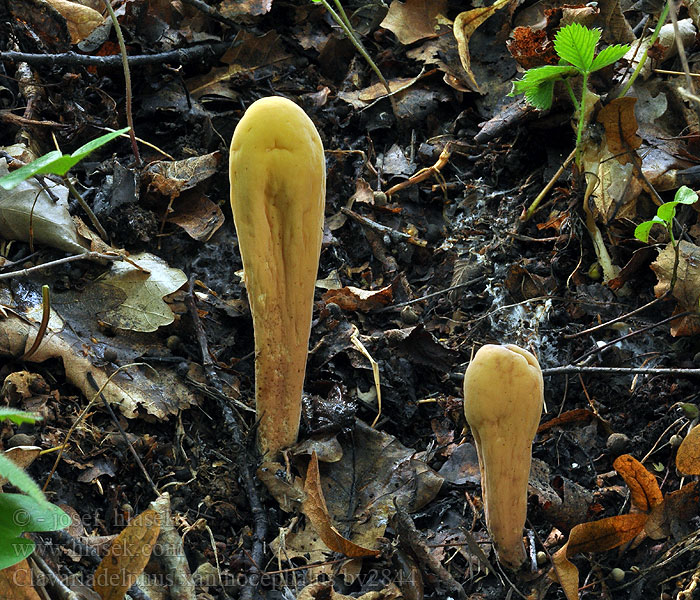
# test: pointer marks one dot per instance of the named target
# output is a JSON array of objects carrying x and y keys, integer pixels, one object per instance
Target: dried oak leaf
[
  {"x": 532, "y": 48},
  {"x": 688, "y": 455},
  {"x": 669, "y": 517}
]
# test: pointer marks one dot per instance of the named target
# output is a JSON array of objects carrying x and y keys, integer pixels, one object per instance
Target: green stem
[
  {"x": 127, "y": 80},
  {"x": 574, "y": 101},
  {"x": 643, "y": 59},
  {"x": 347, "y": 29},
  {"x": 581, "y": 118}
]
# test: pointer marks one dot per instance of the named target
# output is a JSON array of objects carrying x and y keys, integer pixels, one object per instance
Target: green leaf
[
  {"x": 17, "y": 477},
  {"x": 576, "y": 45},
  {"x": 14, "y": 550},
  {"x": 609, "y": 56},
  {"x": 56, "y": 163},
  {"x": 684, "y": 195},
  {"x": 20, "y": 513},
  {"x": 538, "y": 84},
  {"x": 641, "y": 232},
  {"x": 18, "y": 416}
]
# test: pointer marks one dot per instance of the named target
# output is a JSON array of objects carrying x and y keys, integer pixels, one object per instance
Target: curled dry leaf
[
  {"x": 464, "y": 26},
  {"x": 687, "y": 288},
  {"x": 128, "y": 556},
  {"x": 621, "y": 128},
  {"x": 597, "y": 536},
  {"x": 688, "y": 455},
  {"x": 81, "y": 20},
  {"x": 644, "y": 490},
  {"x": 352, "y": 298},
  {"x": 315, "y": 509},
  {"x": 669, "y": 517}
]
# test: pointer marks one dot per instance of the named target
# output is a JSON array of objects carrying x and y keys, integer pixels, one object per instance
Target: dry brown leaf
[
  {"x": 597, "y": 536},
  {"x": 644, "y": 490},
  {"x": 464, "y": 26},
  {"x": 172, "y": 177},
  {"x": 532, "y": 48},
  {"x": 128, "y": 556},
  {"x": 621, "y": 128},
  {"x": 352, "y": 298},
  {"x": 688, "y": 455},
  {"x": 677, "y": 508},
  {"x": 565, "y": 572},
  {"x": 16, "y": 583},
  {"x": 413, "y": 20},
  {"x": 314, "y": 507},
  {"x": 577, "y": 415},
  {"x": 81, "y": 20},
  {"x": 605, "y": 534},
  {"x": 197, "y": 215},
  {"x": 232, "y": 9},
  {"x": 687, "y": 288}
]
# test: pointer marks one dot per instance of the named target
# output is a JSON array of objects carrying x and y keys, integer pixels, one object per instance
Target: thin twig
[
  {"x": 181, "y": 56},
  {"x": 61, "y": 261},
  {"x": 45, "y": 316},
  {"x": 571, "y": 336},
  {"x": 631, "y": 334},
  {"x": 569, "y": 369}
]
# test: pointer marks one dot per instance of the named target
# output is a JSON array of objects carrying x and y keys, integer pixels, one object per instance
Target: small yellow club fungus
[
  {"x": 503, "y": 399},
  {"x": 278, "y": 185}
]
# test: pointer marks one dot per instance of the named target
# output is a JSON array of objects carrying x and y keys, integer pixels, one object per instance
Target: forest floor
[{"x": 413, "y": 279}]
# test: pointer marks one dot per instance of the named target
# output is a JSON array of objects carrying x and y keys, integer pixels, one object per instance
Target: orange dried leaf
[
  {"x": 315, "y": 509},
  {"x": 532, "y": 48},
  {"x": 352, "y": 298},
  {"x": 620, "y": 128},
  {"x": 688, "y": 455},
  {"x": 677, "y": 507},
  {"x": 605, "y": 534},
  {"x": 644, "y": 490},
  {"x": 16, "y": 582},
  {"x": 577, "y": 415},
  {"x": 565, "y": 572},
  {"x": 128, "y": 556}
]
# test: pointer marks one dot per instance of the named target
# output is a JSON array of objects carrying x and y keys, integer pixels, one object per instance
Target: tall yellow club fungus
[
  {"x": 503, "y": 399},
  {"x": 278, "y": 183}
]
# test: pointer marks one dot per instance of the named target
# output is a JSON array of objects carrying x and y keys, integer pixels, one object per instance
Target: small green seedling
[
  {"x": 56, "y": 163},
  {"x": 665, "y": 214},
  {"x": 28, "y": 511},
  {"x": 575, "y": 45}
]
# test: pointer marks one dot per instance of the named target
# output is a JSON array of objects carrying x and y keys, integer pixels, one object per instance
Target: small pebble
[
  {"x": 541, "y": 558},
  {"x": 675, "y": 441},
  {"x": 173, "y": 342},
  {"x": 617, "y": 443},
  {"x": 409, "y": 316},
  {"x": 618, "y": 575}
]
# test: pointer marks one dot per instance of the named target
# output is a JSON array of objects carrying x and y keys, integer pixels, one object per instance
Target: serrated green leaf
[
  {"x": 18, "y": 416},
  {"x": 56, "y": 163},
  {"x": 538, "y": 84},
  {"x": 541, "y": 96},
  {"x": 641, "y": 232},
  {"x": 609, "y": 55},
  {"x": 576, "y": 45}
]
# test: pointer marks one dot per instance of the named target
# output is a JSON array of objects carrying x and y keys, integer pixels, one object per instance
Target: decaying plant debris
[{"x": 453, "y": 219}]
